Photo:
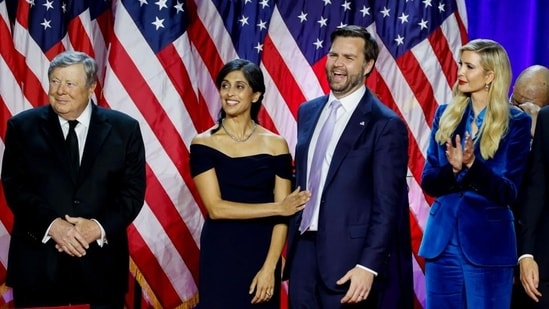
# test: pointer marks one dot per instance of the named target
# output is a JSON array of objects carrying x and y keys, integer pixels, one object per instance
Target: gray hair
[{"x": 68, "y": 58}]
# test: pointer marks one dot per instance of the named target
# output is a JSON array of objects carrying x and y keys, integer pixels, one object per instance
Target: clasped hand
[
  {"x": 74, "y": 234},
  {"x": 460, "y": 156}
]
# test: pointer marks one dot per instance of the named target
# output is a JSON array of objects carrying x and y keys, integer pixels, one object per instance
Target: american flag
[{"x": 159, "y": 59}]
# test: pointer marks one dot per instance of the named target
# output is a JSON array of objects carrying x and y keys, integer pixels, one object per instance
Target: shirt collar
[
  {"x": 480, "y": 117},
  {"x": 84, "y": 117},
  {"x": 350, "y": 101}
]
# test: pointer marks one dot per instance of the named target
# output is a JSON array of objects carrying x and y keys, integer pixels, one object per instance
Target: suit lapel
[
  {"x": 97, "y": 133},
  {"x": 311, "y": 119},
  {"x": 308, "y": 120},
  {"x": 358, "y": 122},
  {"x": 51, "y": 130}
]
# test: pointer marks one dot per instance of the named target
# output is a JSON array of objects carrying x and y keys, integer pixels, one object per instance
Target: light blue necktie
[{"x": 319, "y": 155}]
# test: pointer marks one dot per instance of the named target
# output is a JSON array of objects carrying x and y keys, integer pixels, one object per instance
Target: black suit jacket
[
  {"x": 533, "y": 202},
  {"x": 38, "y": 187}
]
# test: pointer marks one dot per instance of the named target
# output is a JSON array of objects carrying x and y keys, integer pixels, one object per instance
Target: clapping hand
[{"x": 460, "y": 156}]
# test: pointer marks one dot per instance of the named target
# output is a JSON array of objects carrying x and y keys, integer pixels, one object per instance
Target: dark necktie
[
  {"x": 72, "y": 147},
  {"x": 316, "y": 166}
]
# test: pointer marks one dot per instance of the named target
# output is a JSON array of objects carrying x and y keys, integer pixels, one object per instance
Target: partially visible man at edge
[
  {"x": 531, "y": 91},
  {"x": 532, "y": 87}
]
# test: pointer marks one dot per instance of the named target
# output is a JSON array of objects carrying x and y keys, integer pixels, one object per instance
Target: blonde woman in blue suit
[{"x": 475, "y": 162}]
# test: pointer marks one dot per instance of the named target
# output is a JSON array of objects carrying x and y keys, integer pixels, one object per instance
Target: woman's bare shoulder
[
  {"x": 204, "y": 138},
  {"x": 276, "y": 144}
]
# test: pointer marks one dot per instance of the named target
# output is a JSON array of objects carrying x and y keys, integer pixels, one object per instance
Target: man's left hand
[
  {"x": 89, "y": 229},
  {"x": 361, "y": 284}
]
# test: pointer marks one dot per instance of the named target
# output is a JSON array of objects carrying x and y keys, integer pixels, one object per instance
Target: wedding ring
[{"x": 268, "y": 293}]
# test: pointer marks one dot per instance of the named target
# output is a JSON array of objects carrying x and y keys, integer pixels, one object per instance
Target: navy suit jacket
[
  {"x": 39, "y": 188},
  {"x": 363, "y": 215},
  {"x": 479, "y": 203}
]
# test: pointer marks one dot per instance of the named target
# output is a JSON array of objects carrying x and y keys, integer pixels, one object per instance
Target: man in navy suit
[
  {"x": 356, "y": 250},
  {"x": 69, "y": 243}
]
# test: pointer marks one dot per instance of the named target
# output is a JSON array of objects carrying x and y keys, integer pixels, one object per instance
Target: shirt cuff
[
  {"x": 46, "y": 236},
  {"x": 102, "y": 240},
  {"x": 367, "y": 269},
  {"x": 525, "y": 256}
]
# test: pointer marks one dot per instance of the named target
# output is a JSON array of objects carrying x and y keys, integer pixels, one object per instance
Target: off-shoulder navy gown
[{"x": 233, "y": 251}]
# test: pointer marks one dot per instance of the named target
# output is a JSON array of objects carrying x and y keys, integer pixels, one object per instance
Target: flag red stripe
[
  {"x": 144, "y": 99},
  {"x": 152, "y": 111},
  {"x": 31, "y": 86},
  {"x": 5, "y": 114},
  {"x": 176, "y": 229},
  {"x": 418, "y": 82},
  {"x": 286, "y": 84},
  {"x": 79, "y": 37},
  {"x": 462, "y": 28},
  {"x": 444, "y": 56},
  {"x": 56, "y": 49},
  {"x": 178, "y": 74},
  {"x": 6, "y": 216},
  {"x": 105, "y": 24},
  {"x": 320, "y": 71},
  {"x": 23, "y": 8},
  {"x": 417, "y": 235},
  {"x": 416, "y": 162},
  {"x": 152, "y": 271},
  {"x": 202, "y": 41}
]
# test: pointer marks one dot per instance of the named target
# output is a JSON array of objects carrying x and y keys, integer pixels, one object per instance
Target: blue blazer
[
  {"x": 480, "y": 202},
  {"x": 365, "y": 195}
]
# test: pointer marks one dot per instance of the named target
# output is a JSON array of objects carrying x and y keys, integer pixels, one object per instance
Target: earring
[{"x": 487, "y": 87}]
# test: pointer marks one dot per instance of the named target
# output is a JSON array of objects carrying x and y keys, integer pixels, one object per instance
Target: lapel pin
[{"x": 362, "y": 123}]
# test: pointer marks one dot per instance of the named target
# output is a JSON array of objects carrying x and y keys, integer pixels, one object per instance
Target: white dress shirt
[
  {"x": 348, "y": 106},
  {"x": 81, "y": 131}
]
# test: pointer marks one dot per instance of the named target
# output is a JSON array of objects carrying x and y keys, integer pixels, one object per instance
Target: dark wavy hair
[
  {"x": 253, "y": 76},
  {"x": 371, "y": 49}
]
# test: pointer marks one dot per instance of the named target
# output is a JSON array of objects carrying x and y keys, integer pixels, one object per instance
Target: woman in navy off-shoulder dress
[{"x": 243, "y": 174}]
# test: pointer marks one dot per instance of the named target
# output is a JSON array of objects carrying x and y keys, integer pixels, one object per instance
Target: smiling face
[
  {"x": 68, "y": 93},
  {"x": 471, "y": 75},
  {"x": 346, "y": 66},
  {"x": 237, "y": 96}
]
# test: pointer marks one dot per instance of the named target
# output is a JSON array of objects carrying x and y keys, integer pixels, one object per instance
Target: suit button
[{"x": 76, "y": 202}]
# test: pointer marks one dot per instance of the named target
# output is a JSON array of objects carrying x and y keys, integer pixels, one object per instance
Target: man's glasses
[{"x": 514, "y": 102}]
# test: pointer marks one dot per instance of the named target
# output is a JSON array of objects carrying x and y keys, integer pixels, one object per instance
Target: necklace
[{"x": 236, "y": 139}]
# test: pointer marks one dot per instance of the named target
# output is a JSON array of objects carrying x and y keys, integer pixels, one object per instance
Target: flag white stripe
[
  {"x": 300, "y": 68},
  {"x": 172, "y": 264},
  {"x": 160, "y": 163}
]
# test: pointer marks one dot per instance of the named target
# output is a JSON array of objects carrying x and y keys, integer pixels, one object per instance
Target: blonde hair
[{"x": 496, "y": 120}]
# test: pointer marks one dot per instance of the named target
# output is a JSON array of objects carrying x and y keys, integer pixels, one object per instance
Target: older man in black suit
[
  {"x": 74, "y": 178},
  {"x": 533, "y": 227}
]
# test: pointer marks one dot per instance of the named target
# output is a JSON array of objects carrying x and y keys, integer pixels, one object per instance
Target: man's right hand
[
  {"x": 529, "y": 277},
  {"x": 67, "y": 238}
]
